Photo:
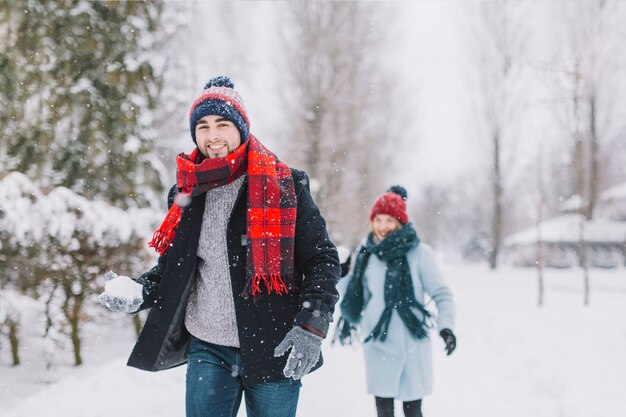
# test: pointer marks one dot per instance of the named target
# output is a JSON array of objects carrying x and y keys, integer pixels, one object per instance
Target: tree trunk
[
  {"x": 594, "y": 162},
  {"x": 14, "y": 341},
  {"x": 539, "y": 258},
  {"x": 497, "y": 204},
  {"x": 71, "y": 309},
  {"x": 579, "y": 165},
  {"x": 584, "y": 260},
  {"x": 74, "y": 319},
  {"x": 313, "y": 167}
]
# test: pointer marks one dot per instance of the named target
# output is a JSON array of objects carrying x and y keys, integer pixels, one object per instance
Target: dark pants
[
  {"x": 215, "y": 386},
  {"x": 384, "y": 407}
]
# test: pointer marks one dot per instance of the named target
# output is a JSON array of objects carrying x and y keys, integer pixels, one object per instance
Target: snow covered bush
[
  {"x": 16, "y": 309},
  {"x": 56, "y": 246}
]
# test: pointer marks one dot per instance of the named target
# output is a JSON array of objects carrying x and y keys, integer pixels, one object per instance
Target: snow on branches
[{"x": 56, "y": 245}]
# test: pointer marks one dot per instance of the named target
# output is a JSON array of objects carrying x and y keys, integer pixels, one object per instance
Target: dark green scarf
[{"x": 399, "y": 292}]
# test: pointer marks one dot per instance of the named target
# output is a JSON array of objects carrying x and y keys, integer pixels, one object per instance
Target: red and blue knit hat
[
  {"x": 392, "y": 203},
  {"x": 220, "y": 99}
]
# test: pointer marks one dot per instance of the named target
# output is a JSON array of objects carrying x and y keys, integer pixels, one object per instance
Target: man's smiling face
[{"x": 216, "y": 136}]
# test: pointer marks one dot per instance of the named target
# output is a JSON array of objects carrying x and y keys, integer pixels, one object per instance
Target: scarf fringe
[
  {"x": 380, "y": 331},
  {"x": 273, "y": 282},
  {"x": 417, "y": 328},
  {"x": 345, "y": 332},
  {"x": 164, "y": 236}
]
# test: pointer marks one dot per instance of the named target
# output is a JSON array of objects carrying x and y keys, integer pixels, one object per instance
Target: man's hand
[
  {"x": 121, "y": 294},
  {"x": 449, "y": 339},
  {"x": 305, "y": 352}
]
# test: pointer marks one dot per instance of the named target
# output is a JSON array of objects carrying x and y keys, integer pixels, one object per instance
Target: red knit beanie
[{"x": 391, "y": 203}]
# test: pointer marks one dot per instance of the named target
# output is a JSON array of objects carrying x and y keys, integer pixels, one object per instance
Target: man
[{"x": 246, "y": 271}]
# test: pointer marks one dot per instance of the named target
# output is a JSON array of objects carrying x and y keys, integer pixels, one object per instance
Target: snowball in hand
[{"x": 121, "y": 293}]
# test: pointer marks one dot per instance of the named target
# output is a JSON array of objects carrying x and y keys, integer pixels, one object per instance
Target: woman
[{"x": 385, "y": 300}]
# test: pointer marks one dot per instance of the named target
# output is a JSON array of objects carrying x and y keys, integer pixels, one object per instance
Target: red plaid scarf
[{"x": 271, "y": 218}]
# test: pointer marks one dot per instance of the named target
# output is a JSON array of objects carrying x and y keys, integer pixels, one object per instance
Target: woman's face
[{"x": 383, "y": 224}]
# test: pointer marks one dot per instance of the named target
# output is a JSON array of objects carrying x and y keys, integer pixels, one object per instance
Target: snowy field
[{"x": 514, "y": 359}]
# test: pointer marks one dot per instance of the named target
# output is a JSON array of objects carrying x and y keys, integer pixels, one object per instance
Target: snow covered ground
[{"x": 513, "y": 359}]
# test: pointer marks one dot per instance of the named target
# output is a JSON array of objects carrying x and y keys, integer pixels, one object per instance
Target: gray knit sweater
[{"x": 210, "y": 314}]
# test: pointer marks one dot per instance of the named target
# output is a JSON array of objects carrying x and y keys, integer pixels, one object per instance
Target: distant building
[
  {"x": 611, "y": 204},
  {"x": 560, "y": 237}
]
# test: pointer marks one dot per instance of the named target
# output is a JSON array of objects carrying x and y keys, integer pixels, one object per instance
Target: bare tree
[
  {"x": 499, "y": 45},
  {"x": 594, "y": 83},
  {"x": 340, "y": 107},
  {"x": 540, "y": 216},
  {"x": 593, "y": 73}
]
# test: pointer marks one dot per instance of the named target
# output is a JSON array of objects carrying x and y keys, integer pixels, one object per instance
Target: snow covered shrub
[
  {"x": 57, "y": 245},
  {"x": 17, "y": 313}
]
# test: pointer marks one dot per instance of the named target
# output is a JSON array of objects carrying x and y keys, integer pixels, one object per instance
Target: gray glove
[
  {"x": 305, "y": 352},
  {"x": 121, "y": 294}
]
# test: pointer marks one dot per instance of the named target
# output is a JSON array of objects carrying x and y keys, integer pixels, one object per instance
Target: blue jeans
[{"x": 215, "y": 386}]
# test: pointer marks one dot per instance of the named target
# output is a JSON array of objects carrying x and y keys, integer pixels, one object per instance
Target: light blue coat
[{"x": 401, "y": 366}]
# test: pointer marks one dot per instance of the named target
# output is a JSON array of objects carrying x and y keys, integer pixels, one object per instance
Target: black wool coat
[{"x": 261, "y": 323}]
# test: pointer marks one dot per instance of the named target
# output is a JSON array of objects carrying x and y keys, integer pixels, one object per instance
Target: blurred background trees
[
  {"x": 79, "y": 87},
  {"x": 341, "y": 118},
  {"x": 80, "y": 84}
]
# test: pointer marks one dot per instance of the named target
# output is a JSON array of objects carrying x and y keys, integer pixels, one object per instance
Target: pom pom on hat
[
  {"x": 400, "y": 190},
  {"x": 391, "y": 203},
  {"x": 221, "y": 81},
  {"x": 220, "y": 99}
]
